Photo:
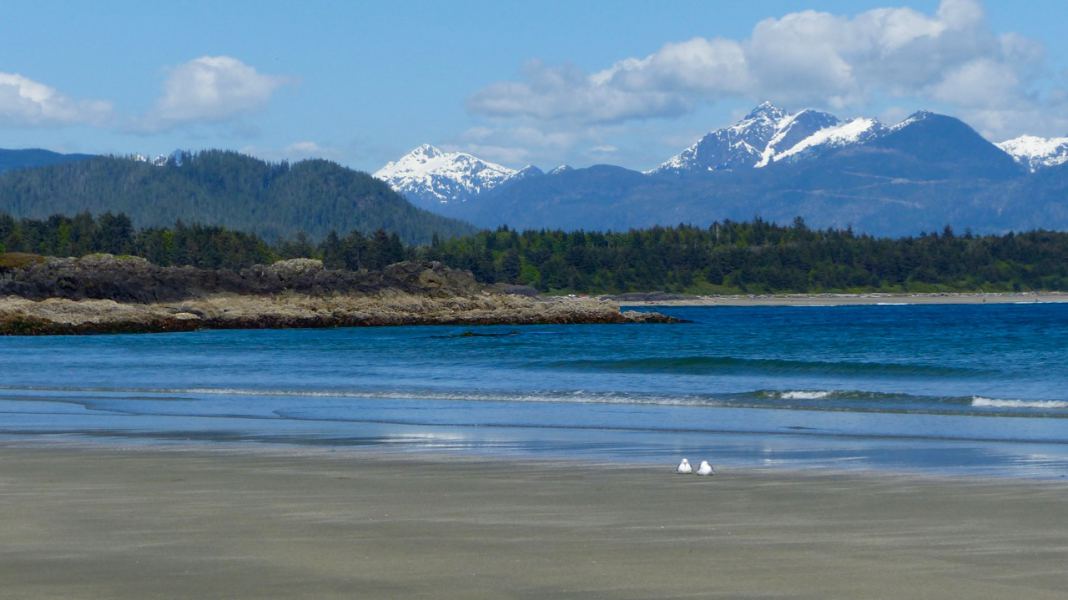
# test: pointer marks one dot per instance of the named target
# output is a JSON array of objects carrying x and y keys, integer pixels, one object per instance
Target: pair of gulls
[{"x": 685, "y": 468}]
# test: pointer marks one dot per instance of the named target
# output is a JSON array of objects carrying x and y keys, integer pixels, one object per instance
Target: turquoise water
[{"x": 936, "y": 389}]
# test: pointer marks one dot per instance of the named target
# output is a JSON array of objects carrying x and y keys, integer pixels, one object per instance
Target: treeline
[
  {"x": 197, "y": 245},
  {"x": 203, "y": 246},
  {"x": 728, "y": 257},
  {"x": 758, "y": 257}
]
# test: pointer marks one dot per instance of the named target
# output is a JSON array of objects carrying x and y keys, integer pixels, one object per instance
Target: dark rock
[{"x": 131, "y": 279}]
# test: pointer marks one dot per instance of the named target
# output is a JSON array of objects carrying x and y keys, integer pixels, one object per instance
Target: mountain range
[{"x": 922, "y": 173}]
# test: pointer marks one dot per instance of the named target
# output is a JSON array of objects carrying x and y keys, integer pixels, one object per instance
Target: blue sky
[{"x": 621, "y": 82}]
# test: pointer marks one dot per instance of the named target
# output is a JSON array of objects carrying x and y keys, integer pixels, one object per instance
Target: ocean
[{"x": 940, "y": 390}]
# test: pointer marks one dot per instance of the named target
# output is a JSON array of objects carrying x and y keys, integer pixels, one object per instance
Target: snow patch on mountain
[
  {"x": 792, "y": 130},
  {"x": 915, "y": 117},
  {"x": 851, "y": 132},
  {"x": 1036, "y": 152},
  {"x": 431, "y": 175}
]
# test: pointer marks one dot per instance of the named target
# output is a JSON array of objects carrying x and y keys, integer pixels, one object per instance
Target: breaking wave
[
  {"x": 796, "y": 399},
  {"x": 712, "y": 365},
  {"x": 981, "y": 402}
]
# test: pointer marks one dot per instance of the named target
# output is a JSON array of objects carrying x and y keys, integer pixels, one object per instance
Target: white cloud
[
  {"x": 210, "y": 89},
  {"x": 604, "y": 149},
  {"x": 296, "y": 151},
  {"x": 980, "y": 84},
  {"x": 521, "y": 145},
  {"x": 305, "y": 149},
  {"x": 807, "y": 58},
  {"x": 24, "y": 101},
  {"x": 566, "y": 92}
]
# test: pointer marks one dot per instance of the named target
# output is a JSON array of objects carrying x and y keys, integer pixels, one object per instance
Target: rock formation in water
[{"x": 103, "y": 293}]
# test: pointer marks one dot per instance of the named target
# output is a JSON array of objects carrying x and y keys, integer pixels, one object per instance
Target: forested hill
[
  {"x": 29, "y": 158},
  {"x": 274, "y": 201}
]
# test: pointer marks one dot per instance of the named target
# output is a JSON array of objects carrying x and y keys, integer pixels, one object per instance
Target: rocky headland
[{"x": 102, "y": 293}]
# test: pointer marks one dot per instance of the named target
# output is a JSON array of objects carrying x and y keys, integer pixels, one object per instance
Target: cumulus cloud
[
  {"x": 552, "y": 92},
  {"x": 24, "y": 101},
  {"x": 210, "y": 89},
  {"x": 523, "y": 144},
  {"x": 806, "y": 58}
]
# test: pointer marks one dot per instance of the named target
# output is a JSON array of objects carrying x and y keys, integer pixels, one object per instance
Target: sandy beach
[
  {"x": 854, "y": 299},
  {"x": 89, "y": 522}
]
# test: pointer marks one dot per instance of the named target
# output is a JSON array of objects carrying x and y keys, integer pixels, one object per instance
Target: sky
[{"x": 548, "y": 82}]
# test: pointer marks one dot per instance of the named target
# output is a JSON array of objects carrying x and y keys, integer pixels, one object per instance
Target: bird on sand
[
  {"x": 705, "y": 468},
  {"x": 684, "y": 467}
]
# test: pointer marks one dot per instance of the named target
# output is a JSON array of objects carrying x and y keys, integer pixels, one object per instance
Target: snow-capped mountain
[
  {"x": 1036, "y": 152},
  {"x": 740, "y": 145},
  {"x": 432, "y": 176},
  {"x": 767, "y": 135}
]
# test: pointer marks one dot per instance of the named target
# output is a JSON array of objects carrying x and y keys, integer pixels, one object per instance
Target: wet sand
[
  {"x": 856, "y": 299},
  {"x": 80, "y": 522}
]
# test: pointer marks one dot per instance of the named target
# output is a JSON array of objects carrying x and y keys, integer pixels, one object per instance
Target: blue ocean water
[{"x": 979, "y": 389}]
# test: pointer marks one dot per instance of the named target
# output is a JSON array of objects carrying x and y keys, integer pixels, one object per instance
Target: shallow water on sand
[{"x": 941, "y": 389}]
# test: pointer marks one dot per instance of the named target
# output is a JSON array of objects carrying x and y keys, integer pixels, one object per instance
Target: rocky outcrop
[
  {"x": 108, "y": 294},
  {"x": 133, "y": 279},
  {"x": 64, "y": 316}
]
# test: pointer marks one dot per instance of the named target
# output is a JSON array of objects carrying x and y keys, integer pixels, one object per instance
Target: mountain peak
[
  {"x": 765, "y": 109},
  {"x": 432, "y": 176},
  {"x": 426, "y": 150},
  {"x": 527, "y": 171}
]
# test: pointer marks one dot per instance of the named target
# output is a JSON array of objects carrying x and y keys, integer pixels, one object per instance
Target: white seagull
[
  {"x": 684, "y": 467},
  {"x": 705, "y": 468}
]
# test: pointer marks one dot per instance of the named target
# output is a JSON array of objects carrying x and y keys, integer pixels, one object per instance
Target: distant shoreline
[{"x": 854, "y": 299}]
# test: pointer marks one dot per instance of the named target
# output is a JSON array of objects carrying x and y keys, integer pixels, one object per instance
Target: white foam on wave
[
  {"x": 550, "y": 396},
  {"x": 804, "y": 395},
  {"x": 567, "y": 397},
  {"x": 981, "y": 402}
]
